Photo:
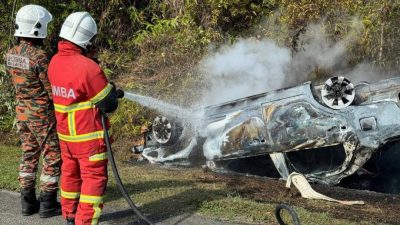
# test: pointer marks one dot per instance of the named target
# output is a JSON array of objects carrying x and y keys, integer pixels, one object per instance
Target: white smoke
[
  {"x": 252, "y": 66},
  {"x": 366, "y": 72},
  {"x": 245, "y": 68},
  {"x": 318, "y": 51}
]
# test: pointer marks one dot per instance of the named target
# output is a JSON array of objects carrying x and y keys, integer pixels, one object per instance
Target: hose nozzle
[{"x": 120, "y": 93}]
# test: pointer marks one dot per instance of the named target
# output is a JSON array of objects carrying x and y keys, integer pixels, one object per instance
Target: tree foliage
[{"x": 151, "y": 46}]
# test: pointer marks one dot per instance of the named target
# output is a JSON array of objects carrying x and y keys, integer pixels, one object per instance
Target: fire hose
[
  {"x": 118, "y": 181},
  {"x": 293, "y": 214}
]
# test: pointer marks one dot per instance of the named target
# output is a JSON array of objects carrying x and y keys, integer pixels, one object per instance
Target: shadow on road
[{"x": 187, "y": 202}]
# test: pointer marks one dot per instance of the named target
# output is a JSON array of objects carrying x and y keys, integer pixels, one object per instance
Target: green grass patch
[
  {"x": 166, "y": 192},
  {"x": 9, "y": 161},
  {"x": 236, "y": 208}
]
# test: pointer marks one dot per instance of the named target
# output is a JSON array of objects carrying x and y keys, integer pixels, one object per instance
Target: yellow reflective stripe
[
  {"x": 96, "y": 214},
  {"x": 70, "y": 195},
  {"x": 98, "y": 157},
  {"x": 73, "y": 107},
  {"x": 71, "y": 123},
  {"x": 84, "y": 105},
  {"x": 82, "y": 137},
  {"x": 91, "y": 199},
  {"x": 102, "y": 94}
]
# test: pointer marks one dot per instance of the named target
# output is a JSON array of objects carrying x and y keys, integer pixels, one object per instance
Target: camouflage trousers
[{"x": 39, "y": 138}]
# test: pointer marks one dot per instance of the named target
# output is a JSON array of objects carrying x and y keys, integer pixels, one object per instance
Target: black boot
[
  {"x": 29, "y": 203},
  {"x": 70, "y": 221},
  {"x": 48, "y": 205}
]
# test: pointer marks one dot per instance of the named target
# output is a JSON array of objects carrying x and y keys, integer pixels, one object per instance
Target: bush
[
  {"x": 7, "y": 107},
  {"x": 152, "y": 47}
]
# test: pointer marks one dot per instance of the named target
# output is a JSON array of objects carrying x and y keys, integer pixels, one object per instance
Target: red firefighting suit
[{"x": 78, "y": 84}]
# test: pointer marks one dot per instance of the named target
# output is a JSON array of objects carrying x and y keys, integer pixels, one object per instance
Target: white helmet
[
  {"x": 31, "y": 21},
  {"x": 79, "y": 28}
]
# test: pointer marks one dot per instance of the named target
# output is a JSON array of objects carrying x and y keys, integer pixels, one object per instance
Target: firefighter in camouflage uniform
[{"x": 36, "y": 122}]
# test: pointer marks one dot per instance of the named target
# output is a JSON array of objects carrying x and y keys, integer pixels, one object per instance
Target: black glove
[{"x": 110, "y": 102}]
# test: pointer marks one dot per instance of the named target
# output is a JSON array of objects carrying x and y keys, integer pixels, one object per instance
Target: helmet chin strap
[
  {"x": 89, "y": 46},
  {"x": 87, "y": 50}
]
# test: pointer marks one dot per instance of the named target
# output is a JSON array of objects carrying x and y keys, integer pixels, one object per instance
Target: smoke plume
[
  {"x": 245, "y": 68},
  {"x": 252, "y": 66}
]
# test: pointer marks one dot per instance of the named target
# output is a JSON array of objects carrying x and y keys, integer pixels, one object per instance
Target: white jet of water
[{"x": 166, "y": 109}]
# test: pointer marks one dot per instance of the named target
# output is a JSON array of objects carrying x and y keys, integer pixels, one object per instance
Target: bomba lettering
[{"x": 63, "y": 92}]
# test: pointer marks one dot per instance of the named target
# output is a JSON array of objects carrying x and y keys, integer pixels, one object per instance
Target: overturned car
[{"x": 326, "y": 132}]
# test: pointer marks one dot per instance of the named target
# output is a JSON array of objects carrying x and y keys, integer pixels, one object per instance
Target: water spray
[{"x": 167, "y": 109}]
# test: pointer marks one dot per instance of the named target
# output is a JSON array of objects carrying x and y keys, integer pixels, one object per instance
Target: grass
[
  {"x": 190, "y": 191},
  {"x": 167, "y": 192},
  {"x": 9, "y": 161}
]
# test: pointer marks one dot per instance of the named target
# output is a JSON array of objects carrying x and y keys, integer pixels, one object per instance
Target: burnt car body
[{"x": 293, "y": 126}]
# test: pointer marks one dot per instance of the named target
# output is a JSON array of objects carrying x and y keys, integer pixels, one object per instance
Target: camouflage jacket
[{"x": 27, "y": 65}]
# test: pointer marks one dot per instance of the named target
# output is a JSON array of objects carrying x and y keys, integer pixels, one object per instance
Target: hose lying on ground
[
  {"x": 116, "y": 174},
  {"x": 293, "y": 214},
  {"x": 301, "y": 183}
]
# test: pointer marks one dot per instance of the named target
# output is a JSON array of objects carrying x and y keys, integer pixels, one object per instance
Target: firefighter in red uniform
[{"x": 80, "y": 93}]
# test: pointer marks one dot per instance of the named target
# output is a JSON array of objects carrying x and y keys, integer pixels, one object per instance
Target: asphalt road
[{"x": 10, "y": 214}]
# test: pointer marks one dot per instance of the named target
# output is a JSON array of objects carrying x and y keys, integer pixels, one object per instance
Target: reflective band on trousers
[
  {"x": 96, "y": 214},
  {"x": 98, "y": 157},
  {"x": 27, "y": 175},
  {"x": 96, "y": 201},
  {"x": 49, "y": 179},
  {"x": 70, "y": 195},
  {"x": 91, "y": 199},
  {"x": 82, "y": 137}
]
